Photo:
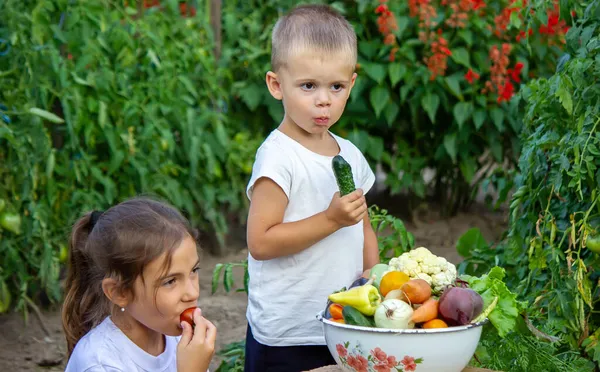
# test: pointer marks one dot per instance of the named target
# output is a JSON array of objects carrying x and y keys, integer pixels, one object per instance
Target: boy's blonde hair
[{"x": 317, "y": 27}]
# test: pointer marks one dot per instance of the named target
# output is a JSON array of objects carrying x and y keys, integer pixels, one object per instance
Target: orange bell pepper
[{"x": 336, "y": 311}]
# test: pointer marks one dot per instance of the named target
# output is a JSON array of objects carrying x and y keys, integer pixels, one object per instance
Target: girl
[{"x": 132, "y": 271}]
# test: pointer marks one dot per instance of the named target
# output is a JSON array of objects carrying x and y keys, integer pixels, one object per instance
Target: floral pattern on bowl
[{"x": 376, "y": 361}]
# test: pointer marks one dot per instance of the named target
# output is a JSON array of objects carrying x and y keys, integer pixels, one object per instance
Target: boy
[{"x": 304, "y": 240}]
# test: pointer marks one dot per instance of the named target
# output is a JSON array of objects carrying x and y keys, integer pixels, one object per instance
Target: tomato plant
[
  {"x": 548, "y": 250},
  {"x": 101, "y": 101}
]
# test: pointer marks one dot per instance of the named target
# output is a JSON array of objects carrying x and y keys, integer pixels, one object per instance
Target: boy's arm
[
  {"x": 371, "y": 249},
  {"x": 269, "y": 238}
]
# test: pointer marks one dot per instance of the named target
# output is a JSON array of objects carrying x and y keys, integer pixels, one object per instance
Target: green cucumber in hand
[{"x": 343, "y": 175}]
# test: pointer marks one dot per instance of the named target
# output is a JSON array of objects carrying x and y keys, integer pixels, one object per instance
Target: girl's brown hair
[{"x": 117, "y": 244}]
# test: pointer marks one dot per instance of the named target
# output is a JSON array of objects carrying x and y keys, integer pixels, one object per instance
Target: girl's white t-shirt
[
  {"x": 107, "y": 349},
  {"x": 286, "y": 293}
]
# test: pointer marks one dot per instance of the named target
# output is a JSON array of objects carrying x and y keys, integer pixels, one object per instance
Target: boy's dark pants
[{"x": 263, "y": 358}]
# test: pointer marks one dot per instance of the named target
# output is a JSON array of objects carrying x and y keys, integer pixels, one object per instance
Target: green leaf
[
  {"x": 515, "y": 20},
  {"x": 479, "y": 118},
  {"x": 228, "y": 277},
  {"x": 470, "y": 241},
  {"x": 379, "y": 98},
  {"x": 467, "y": 36},
  {"x": 403, "y": 23},
  {"x": 46, "y": 115},
  {"x": 497, "y": 115},
  {"x": 188, "y": 85},
  {"x": 246, "y": 278},
  {"x": 5, "y": 298},
  {"x": 453, "y": 83},
  {"x": 116, "y": 160},
  {"x": 562, "y": 61},
  {"x": 368, "y": 48},
  {"x": 252, "y": 96},
  {"x": 504, "y": 316},
  {"x": 154, "y": 58},
  {"x": 375, "y": 71},
  {"x": 450, "y": 145},
  {"x": 468, "y": 167},
  {"x": 430, "y": 103},
  {"x": 215, "y": 277},
  {"x": 391, "y": 112},
  {"x": 404, "y": 90},
  {"x": 461, "y": 56},
  {"x": 397, "y": 72},
  {"x": 50, "y": 164},
  {"x": 401, "y": 232},
  {"x": 80, "y": 81},
  {"x": 564, "y": 95},
  {"x": 102, "y": 114},
  {"x": 376, "y": 147},
  {"x": 411, "y": 240},
  {"x": 462, "y": 111}
]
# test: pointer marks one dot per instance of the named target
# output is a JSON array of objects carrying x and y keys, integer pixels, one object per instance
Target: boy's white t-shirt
[
  {"x": 286, "y": 293},
  {"x": 107, "y": 349}
]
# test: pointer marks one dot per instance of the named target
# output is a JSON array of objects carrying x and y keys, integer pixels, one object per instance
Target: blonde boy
[{"x": 305, "y": 241}]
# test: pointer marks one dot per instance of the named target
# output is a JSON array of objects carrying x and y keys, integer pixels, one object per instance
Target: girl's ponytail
[{"x": 85, "y": 305}]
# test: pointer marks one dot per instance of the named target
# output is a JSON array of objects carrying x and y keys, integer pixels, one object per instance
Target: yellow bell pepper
[{"x": 364, "y": 298}]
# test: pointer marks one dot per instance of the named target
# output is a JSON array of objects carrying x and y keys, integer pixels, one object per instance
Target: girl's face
[{"x": 160, "y": 297}]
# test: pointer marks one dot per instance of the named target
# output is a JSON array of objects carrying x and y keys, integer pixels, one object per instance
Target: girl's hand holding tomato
[{"x": 197, "y": 344}]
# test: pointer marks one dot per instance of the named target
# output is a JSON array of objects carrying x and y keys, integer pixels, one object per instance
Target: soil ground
[{"x": 25, "y": 347}]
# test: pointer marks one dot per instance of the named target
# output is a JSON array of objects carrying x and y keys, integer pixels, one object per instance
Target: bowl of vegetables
[{"x": 413, "y": 314}]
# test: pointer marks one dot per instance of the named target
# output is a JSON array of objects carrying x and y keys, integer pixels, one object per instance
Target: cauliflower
[{"x": 420, "y": 263}]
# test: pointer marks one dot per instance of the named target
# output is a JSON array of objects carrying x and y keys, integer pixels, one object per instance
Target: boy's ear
[
  {"x": 114, "y": 292},
  {"x": 352, "y": 81},
  {"x": 274, "y": 85}
]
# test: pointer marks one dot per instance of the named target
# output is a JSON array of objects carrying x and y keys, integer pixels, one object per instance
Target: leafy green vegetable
[{"x": 491, "y": 285}]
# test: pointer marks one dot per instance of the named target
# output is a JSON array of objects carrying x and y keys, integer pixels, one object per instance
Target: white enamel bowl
[{"x": 366, "y": 349}]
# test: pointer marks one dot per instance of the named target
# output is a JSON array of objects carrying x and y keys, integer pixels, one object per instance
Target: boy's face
[{"x": 314, "y": 89}]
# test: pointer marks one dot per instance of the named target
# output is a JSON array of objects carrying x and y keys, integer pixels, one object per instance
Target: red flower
[
  {"x": 437, "y": 61},
  {"x": 151, "y": 3},
  {"x": 363, "y": 364},
  {"x": 521, "y": 34},
  {"x": 341, "y": 350},
  {"x": 393, "y": 52},
  {"x": 386, "y": 21},
  {"x": 381, "y": 9},
  {"x": 503, "y": 19},
  {"x": 555, "y": 25},
  {"x": 389, "y": 39},
  {"x": 506, "y": 91},
  {"x": 351, "y": 361},
  {"x": 359, "y": 363},
  {"x": 409, "y": 363},
  {"x": 391, "y": 361},
  {"x": 471, "y": 75},
  {"x": 382, "y": 367},
  {"x": 477, "y": 4},
  {"x": 515, "y": 74},
  {"x": 183, "y": 9},
  {"x": 379, "y": 354}
]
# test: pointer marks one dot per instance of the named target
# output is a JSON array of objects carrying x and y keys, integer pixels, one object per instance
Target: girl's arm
[{"x": 268, "y": 237}]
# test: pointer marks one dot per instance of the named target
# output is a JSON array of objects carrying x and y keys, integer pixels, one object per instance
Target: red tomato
[{"x": 188, "y": 316}]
